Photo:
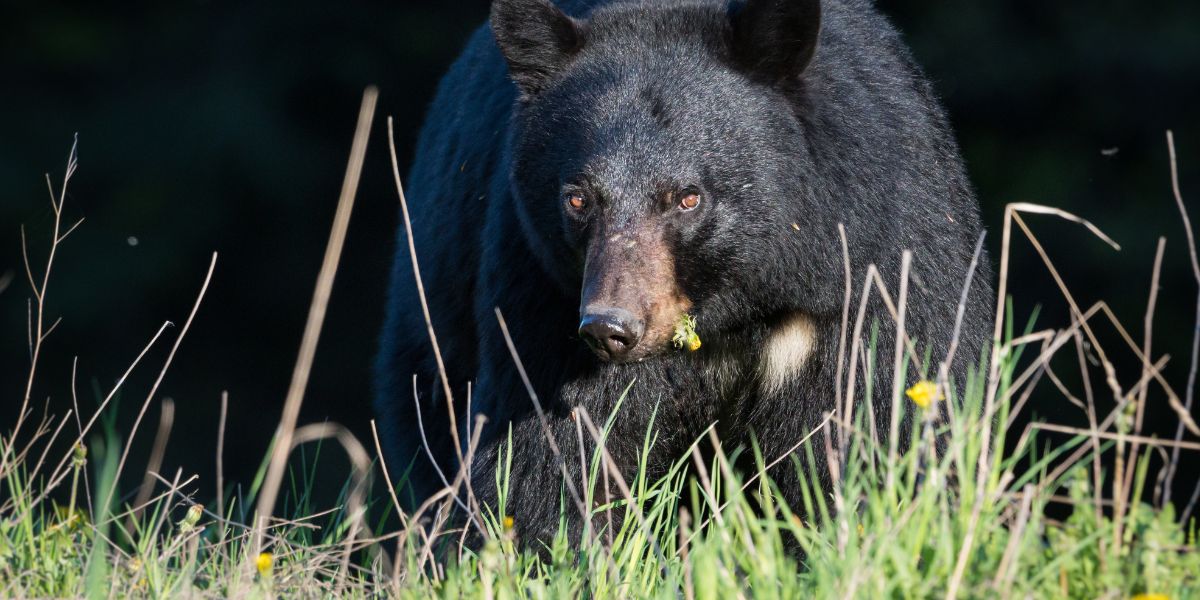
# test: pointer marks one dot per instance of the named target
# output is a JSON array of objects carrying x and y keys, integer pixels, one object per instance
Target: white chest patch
[{"x": 786, "y": 352}]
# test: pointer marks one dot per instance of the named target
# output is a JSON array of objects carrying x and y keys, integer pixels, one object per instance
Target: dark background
[{"x": 224, "y": 126}]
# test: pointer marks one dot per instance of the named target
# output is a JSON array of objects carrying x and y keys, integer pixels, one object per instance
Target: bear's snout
[
  {"x": 630, "y": 301},
  {"x": 611, "y": 332}
]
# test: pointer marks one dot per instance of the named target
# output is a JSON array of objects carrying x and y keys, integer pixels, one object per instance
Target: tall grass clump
[{"x": 963, "y": 502}]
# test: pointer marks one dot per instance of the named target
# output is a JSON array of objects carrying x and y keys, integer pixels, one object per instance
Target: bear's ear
[
  {"x": 536, "y": 38},
  {"x": 774, "y": 39}
]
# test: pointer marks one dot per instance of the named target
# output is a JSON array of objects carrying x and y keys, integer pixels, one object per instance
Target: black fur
[{"x": 778, "y": 121}]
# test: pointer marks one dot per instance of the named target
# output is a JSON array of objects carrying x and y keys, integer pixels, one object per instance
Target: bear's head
[{"x": 653, "y": 149}]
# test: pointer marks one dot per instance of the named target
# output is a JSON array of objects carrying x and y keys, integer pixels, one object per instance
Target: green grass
[
  {"x": 965, "y": 518},
  {"x": 902, "y": 529}
]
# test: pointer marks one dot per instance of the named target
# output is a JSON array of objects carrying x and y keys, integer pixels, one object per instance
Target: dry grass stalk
[
  {"x": 841, "y": 353},
  {"x": 158, "y": 380},
  {"x": 316, "y": 318},
  {"x": 1169, "y": 480},
  {"x": 157, "y": 451},
  {"x": 898, "y": 373},
  {"x": 221, "y": 453},
  {"x": 474, "y": 512},
  {"x": 39, "y": 332},
  {"x": 1119, "y": 437},
  {"x": 360, "y": 475},
  {"x": 581, "y": 415},
  {"x": 60, "y": 472},
  {"x": 1140, "y": 402},
  {"x": 1006, "y": 571}
]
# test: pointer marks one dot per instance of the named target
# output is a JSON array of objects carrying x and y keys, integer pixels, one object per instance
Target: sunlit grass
[
  {"x": 952, "y": 505},
  {"x": 710, "y": 536}
]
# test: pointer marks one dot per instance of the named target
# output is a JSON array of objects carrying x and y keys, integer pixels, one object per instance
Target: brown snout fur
[{"x": 634, "y": 269}]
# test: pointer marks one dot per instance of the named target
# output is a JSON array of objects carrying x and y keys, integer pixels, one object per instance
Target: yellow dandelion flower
[
  {"x": 508, "y": 523},
  {"x": 685, "y": 334},
  {"x": 263, "y": 563},
  {"x": 923, "y": 394},
  {"x": 1151, "y": 597}
]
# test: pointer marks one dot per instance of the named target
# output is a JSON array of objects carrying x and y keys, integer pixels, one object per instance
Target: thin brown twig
[
  {"x": 839, "y": 501},
  {"x": 1109, "y": 371},
  {"x": 1169, "y": 480},
  {"x": 72, "y": 228},
  {"x": 909, "y": 345},
  {"x": 959, "y": 314},
  {"x": 898, "y": 373},
  {"x": 427, "y": 552},
  {"x": 158, "y": 381},
  {"x": 1093, "y": 427},
  {"x": 475, "y": 512},
  {"x": 1006, "y": 571},
  {"x": 316, "y": 318},
  {"x": 360, "y": 475},
  {"x": 1125, "y": 437},
  {"x": 782, "y": 457},
  {"x": 387, "y": 478},
  {"x": 58, "y": 474},
  {"x": 221, "y": 453},
  {"x": 551, "y": 442},
  {"x": 1062, "y": 387},
  {"x": 983, "y": 470},
  {"x": 87, "y": 486},
  {"x": 1191, "y": 505},
  {"x": 40, "y": 291},
  {"x": 159, "y": 449},
  {"x": 838, "y": 395},
  {"x": 49, "y": 443},
  {"x": 855, "y": 347},
  {"x": 1077, "y": 323},
  {"x": 437, "y": 468},
  {"x": 1140, "y": 406},
  {"x": 583, "y": 476},
  {"x": 1172, "y": 398},
  {"x": 1099, "y": 430}
]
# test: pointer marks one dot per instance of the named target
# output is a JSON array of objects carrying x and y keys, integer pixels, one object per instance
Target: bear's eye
[
  {"x": 575, "y": 201},
  {"x": 689, "y": 201}
]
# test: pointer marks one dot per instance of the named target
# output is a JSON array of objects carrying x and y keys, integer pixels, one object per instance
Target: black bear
[{"x": 600, "y": 171}]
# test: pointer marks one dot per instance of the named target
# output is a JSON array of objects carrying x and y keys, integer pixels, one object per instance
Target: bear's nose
[{"x": 611, "y": 332}]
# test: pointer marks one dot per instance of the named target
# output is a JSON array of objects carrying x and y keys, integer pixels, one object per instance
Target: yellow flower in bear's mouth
[
  {"x": 685, "y": 334},
  {"x": 923, "y": 393}
]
